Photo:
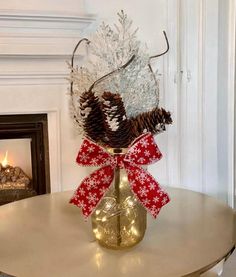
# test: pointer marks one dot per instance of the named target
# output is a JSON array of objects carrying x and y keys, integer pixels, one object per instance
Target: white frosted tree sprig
[
  {"x": 113, "y": 47},
  {"x": 110, "y": 48}
]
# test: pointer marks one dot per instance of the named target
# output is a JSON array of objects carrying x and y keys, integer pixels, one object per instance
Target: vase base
[{"x": 117, "y": 247}]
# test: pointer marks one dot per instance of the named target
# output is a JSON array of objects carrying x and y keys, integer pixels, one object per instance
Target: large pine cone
[
  {"x": 154, "y": 121},
  {"x": 92, "y": 116},
  {"x": 118, "y": 131}
]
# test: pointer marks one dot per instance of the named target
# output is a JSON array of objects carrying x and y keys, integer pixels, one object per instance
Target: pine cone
[
  {"x": 118, "y": 131},
  {"x": 154, "y": 121},
  {"x": 92, "y": 116}
]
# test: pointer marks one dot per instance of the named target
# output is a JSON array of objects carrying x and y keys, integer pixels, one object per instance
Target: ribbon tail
[
  {"x": 146, "y": 189},
  {"x": 91, "y": 190}
]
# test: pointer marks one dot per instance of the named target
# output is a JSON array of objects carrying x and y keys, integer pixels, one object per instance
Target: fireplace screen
[{"x": 24, "y": 159}]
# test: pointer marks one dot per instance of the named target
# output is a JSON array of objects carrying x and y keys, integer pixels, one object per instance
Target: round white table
[{"x": 44, "y": 236}]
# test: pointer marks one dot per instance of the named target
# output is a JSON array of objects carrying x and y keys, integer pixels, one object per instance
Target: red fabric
[{"x": 143, "y": 151}]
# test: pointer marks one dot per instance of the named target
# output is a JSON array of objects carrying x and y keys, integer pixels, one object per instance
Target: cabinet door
[{"x": 203, "y": 33}]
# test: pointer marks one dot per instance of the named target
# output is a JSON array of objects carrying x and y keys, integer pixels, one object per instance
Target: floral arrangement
[
  {"x": 115, "y": 105},
  {"x": 115, "y": 98}
]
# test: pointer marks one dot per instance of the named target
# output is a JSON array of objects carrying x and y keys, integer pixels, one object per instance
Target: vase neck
[{"x": 114, "y": 151}]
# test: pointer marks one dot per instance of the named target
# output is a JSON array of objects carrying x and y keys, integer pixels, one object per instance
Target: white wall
[
  {"x": 222, "y": 115},
  {"x": 150, "y": 16},
  {"x": 42, "y": 6},
  {"x": 210, "y": 101},
  {"x": 38, "y": 38},
  {"x": 226, "y": 98}
]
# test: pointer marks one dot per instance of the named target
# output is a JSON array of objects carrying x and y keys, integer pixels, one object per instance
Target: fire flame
[{"x": 5, "y": 161}]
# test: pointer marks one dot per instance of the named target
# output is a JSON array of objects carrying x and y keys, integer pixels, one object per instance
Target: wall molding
[
  {"x": 34, "y": 47},
  {"x": 172, "y": 82},
  {"x": 30, "y": 34},
  {"x": 39, "y": 56},
  {"x": 29, "y": 21},
  {"x": 34, "y": 79},
  {"x": 34, "y": 71},
  {"x": 231, "y": 102},
  {"x": 201, "y": 91}
]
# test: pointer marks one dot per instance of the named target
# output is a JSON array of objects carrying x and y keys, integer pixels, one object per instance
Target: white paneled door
[{"x": 200, "y": 93}]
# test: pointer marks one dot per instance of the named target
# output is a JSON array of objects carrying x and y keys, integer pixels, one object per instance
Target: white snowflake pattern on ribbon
[{"x": 143, "y": 151}]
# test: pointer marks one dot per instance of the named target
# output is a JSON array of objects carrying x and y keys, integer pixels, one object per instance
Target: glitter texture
[{"x": 110, "y": 48}]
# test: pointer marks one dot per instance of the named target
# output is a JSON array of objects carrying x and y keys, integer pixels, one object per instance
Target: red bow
[{"x": 143, "y": 151}]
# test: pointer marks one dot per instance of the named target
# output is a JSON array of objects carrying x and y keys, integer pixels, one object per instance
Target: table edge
[{"x": 210, "y": 266}]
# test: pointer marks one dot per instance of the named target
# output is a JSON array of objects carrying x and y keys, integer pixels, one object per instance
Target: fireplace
[{"x": 24, "y": 166}]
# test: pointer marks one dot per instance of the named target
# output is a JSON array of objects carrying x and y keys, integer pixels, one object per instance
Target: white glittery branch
[
  {"x": 75, "y": 115},
  {"x": 110, "y": 48}
]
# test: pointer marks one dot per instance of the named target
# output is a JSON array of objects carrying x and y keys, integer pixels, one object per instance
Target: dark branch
[
  {"x": 112, "y": 72},
  {"x": 163, "y": 53},
  {"x": 150, "y": 67},
  {"x": 73, "y": 57}
]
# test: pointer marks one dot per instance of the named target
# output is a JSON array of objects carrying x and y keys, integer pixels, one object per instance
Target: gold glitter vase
[{"x": 119, "y": 221}]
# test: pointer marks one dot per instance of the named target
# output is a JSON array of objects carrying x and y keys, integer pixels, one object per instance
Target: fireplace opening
[{"x": 24, "y": 157}]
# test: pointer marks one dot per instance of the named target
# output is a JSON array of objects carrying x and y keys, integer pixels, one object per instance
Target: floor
[{"x": 230, "y": 266}]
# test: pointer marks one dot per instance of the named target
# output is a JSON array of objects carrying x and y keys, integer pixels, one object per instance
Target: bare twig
[{"x": 150, "y": 67}]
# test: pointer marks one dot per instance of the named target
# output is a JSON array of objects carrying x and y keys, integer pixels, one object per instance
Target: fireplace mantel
[{"x": 34, "y": 48}]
